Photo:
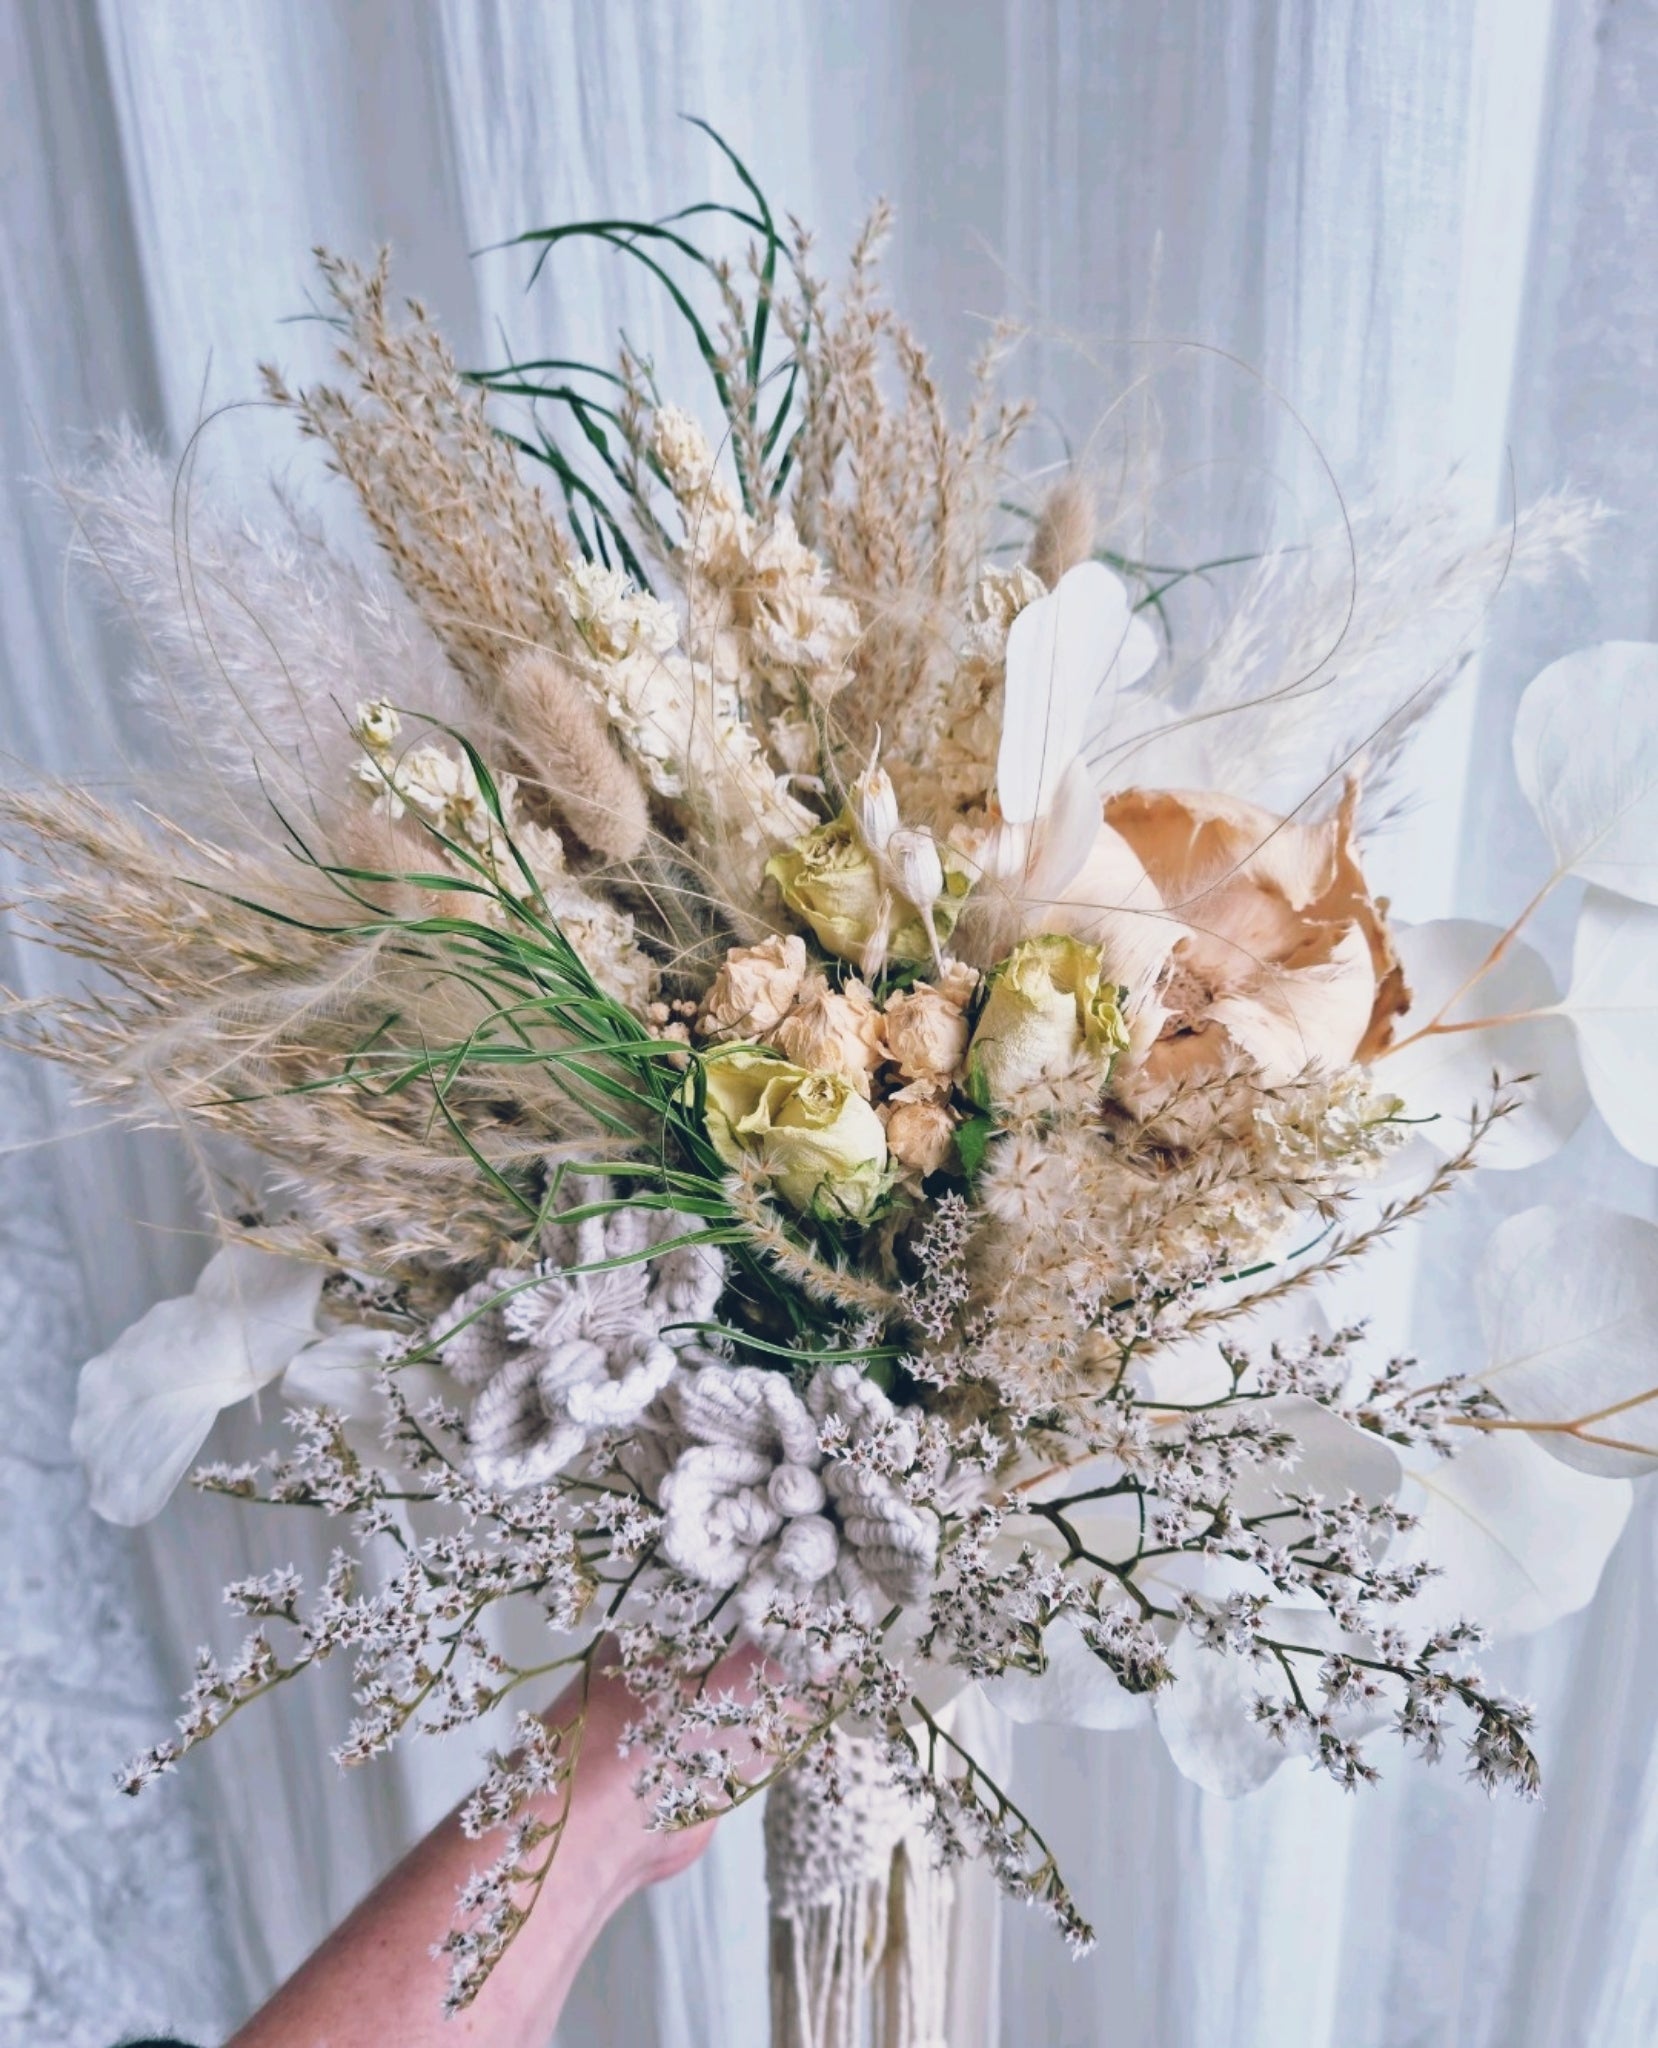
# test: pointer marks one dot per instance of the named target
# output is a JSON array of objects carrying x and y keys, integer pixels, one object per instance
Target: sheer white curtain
[{"x": 1425, "y": 233}]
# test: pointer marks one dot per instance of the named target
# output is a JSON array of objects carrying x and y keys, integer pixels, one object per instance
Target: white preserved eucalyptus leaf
[
  {"x": 1206, "y": 1716},
  {"x": 1189, "y": 1370},
  {"x": 1520, "y": 1538},
  {"x": 1335, "y": 1459},
  {"x": 1447, "y": 1076},
  {"x": 1205, "y": 1720},
  {"x": 340, "y": 1371},
  {"x": 1613, "y": 1002},
  {"x": 1569, "y": 1303},
  {"x": 1078, "y": 1689},
  {"x": 144, "y": 1407},
  {"x": 1586, "y": 749}
]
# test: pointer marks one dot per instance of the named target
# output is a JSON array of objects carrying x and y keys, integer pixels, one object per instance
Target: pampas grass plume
[
  {"x": 1065, "y": 530},
  {"x": 563, "y": 737}
]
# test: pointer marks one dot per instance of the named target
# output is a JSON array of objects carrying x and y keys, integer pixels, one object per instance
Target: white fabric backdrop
[{"x": 1428, "y": 228}]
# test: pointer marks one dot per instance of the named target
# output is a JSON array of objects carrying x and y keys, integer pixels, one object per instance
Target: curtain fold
[{"x": 1271, "y": 236}]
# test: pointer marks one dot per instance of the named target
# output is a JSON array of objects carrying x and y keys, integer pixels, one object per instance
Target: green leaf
[{"x": 973, "y": 1141}]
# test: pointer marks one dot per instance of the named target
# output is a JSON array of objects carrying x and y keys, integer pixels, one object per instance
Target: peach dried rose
[
  {"x": 920, "y": 1135},
  {"x": 755, "y": 989},
  {"x": 1282, "y": 952},
  {"x": 833, "y": 1032},
  {"x": 926, "y": 1034},
  {"x": 958, "y": 984}
]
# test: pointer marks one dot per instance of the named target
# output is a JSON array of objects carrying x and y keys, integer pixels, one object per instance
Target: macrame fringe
[{"x": 860, "y": 1925}]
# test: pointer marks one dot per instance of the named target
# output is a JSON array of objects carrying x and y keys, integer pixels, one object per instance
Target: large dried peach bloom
[{"x": 1283, "y": 954}]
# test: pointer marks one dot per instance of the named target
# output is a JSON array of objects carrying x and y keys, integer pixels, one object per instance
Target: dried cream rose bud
[
  {"x": 918, "y": 869},
  {"x": 875, "y": 803},
  {"x": 834, "y": 1032},
  {"x": 832, "y": 881},
  {"x": 920, "y": 1135},
  {"x": 376, "y": 726},
  {"x": 812, "y": 1135},
  {"x": 755, "y": 988},
  {"x": 926, "y": 1034},
  {"x": 1048, "y": 1007}
]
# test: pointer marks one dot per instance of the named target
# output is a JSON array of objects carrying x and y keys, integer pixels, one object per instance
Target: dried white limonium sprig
[{"x": 809, "y": 1101}]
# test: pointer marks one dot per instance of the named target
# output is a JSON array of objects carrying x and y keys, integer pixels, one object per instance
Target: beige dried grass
[
  {"x": 898, "y": 502},
  {"x": 228, "y": 995}
]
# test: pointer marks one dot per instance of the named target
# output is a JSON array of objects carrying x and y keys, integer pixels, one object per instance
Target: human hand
[{"x": 374, "y": 1980}]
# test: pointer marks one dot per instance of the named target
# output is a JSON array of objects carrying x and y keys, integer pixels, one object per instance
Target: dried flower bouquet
[{"x": 809, "y": 1074}]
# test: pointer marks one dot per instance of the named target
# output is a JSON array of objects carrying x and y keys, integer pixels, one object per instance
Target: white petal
[
  {"x": 1569, "y": 1303},
  {"x": 1111, "y": 903},
  {"x": 1192, "y": 1369},
  {"x": 1063, "y": 841},
  {"x": 1204, "y": 1717},
  {"x": 876, "y": 802},
  {"x": 1336, "y": 1459},
  {"x": 1586, "y": 748},
  {"x": 144, "y": 1406},
  {"x": 1448, "y": 1075},
  {"x": 914, "y": 855},
  {"x": 1109, "y": 1528},
  {"x": 1613, "y": 1001},
  {"x": 1060, "y": 652},
  {"x": 1078, "y": 1689},
  {"x": 1521, "y": 1538}
]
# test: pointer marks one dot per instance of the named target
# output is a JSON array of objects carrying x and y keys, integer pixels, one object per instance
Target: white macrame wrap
[
  {"x": 571, "y": 1354},
  {"x": 860, "y": 1913},
  {"x": 752, "y": 1502}
]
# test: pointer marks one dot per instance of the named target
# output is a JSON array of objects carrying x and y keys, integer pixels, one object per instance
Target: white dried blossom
[
  {"x": 376, "y": 726},
  {"x": 685, "y": 726},
  {"x": 681, "y": 448},
  {"x": 794, "y": 622},
  {"x": 1329, "y": 1131},
  {"x": 999, "y": 596},
  {"x": 616, "y": 618},
  {"x": 755, "y": 592}
]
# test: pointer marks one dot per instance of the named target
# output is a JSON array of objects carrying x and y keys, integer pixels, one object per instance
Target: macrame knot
[
  {"x": 753, "y": 1499},
  {"x": 562, "y": 1353}
]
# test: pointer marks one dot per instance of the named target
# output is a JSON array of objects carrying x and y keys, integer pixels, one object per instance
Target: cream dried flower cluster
[
  {"x": 904, "y": 1058},
  {"x": 810, "y": 1086}
]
